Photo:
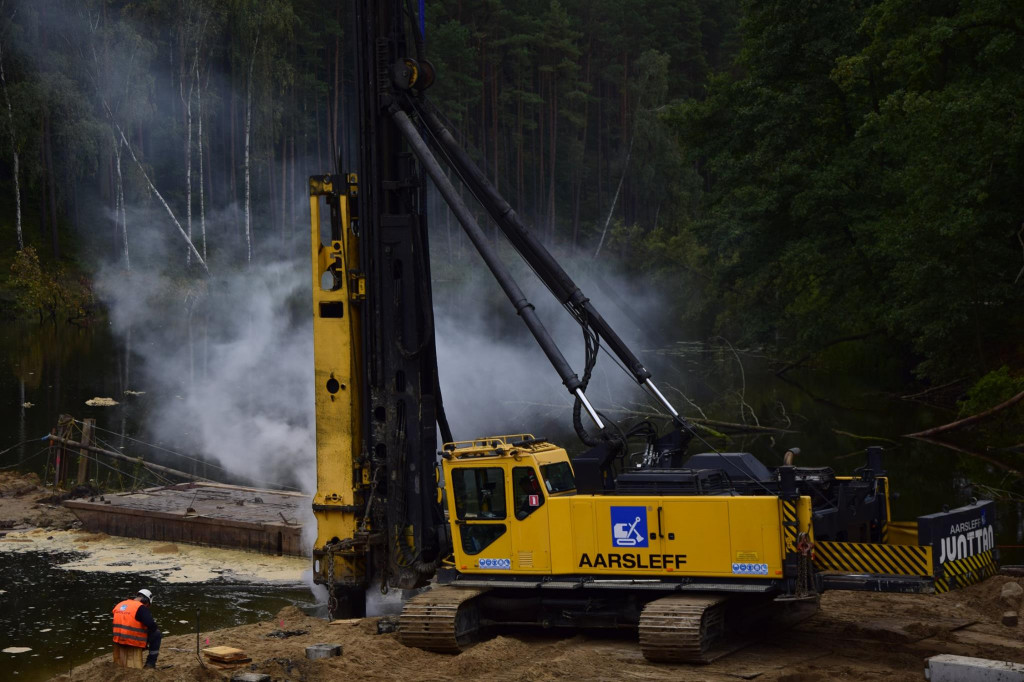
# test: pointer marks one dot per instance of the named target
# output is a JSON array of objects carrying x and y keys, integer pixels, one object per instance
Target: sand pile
[
  {"x": 854, "y": 636},
  {"x": 22, "y": 504}
]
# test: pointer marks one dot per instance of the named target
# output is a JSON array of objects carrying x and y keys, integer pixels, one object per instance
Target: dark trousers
[{"x": 153, "y": 641}]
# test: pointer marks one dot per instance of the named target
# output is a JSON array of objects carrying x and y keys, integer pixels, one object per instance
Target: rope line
[
  {"x": 24, "y": 442},
  {"x": 157, "y": 447},
  {"x": 158, "y": 477},
  {"x": 188, "y": 457},
  {"x": 18, "y": 464}
]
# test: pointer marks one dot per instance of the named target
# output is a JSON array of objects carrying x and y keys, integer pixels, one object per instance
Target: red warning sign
[{"x": 534, "y": 500}]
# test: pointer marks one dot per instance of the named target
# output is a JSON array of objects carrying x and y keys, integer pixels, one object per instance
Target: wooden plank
[{"x": 224, "y": 653}]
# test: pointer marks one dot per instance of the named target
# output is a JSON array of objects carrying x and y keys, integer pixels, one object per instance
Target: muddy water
[
  {"x": 64, "y": 616},
  {"x": 46, "y": 371},
  {"x": 833, "y": 416}
]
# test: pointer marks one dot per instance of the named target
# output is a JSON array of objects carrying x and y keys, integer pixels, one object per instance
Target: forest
[{"x": 800, "y": 176}]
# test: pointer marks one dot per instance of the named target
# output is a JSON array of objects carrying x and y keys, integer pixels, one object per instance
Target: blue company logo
[
  {"x": 629, "y": 526},
  {"x": 983, "y": 517},
  {"x": 750, "y": 569},
  {"x": 496, "y": 564}
]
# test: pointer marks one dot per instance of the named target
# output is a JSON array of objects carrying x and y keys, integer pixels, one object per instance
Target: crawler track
[
  {"x": 443, "y": 619},
  {"x": 684, "y": 629}
]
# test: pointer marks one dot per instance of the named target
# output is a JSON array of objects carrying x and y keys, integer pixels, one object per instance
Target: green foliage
[
  {"x": 1006, "y": 426},
  {"x": 793, "y": 172},
  {"x": 48, "y": 293},
  {"x": 994, "y": 388},
  {"x": 863, "y": 167}
]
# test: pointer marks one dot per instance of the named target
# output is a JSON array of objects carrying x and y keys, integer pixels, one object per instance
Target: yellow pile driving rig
[{"x": 508, "y": 530}]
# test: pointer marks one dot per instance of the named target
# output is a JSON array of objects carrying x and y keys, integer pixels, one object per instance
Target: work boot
[{"x": 151, "y": 661}]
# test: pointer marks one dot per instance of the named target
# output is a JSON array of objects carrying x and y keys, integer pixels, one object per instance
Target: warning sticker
[
  {"x": 747, "y": 557},
  {"x": 495, "y": 564},
  {"x": 750, "y": 569}
]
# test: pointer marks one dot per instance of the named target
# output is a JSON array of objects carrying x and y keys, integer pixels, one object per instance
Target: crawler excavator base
[
  {"x": 442, "y": 619},
  {"x": 701, "y": 628},
  {"x": 690, "y": 628}
]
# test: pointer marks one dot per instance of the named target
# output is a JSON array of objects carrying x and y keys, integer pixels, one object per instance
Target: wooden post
[
  {"x": 64, "y": 424},
  {"x": 83, "y": 458},
  {"x": 128, "y": 656}
]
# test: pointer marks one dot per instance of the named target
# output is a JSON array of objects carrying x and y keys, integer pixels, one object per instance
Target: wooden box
[{"x": 129, "y": 656}]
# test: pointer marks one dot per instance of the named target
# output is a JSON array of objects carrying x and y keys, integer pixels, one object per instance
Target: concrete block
[
  {"x": 250, "y": 677},
  {"x": 950, "y": 668},
  {"x": 325, "y": 651},
  {"x": 1011, "y": 595},
  {"x": 387, "y": 624}
]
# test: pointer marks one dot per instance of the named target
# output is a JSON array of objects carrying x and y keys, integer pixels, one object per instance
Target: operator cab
[{"x": 497, "y": 488}]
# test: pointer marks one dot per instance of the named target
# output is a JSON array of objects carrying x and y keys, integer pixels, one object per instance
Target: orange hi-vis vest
[{"x": 127, "y": 630}]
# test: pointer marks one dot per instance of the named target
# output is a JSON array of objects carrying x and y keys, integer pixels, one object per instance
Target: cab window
[
  {"x": 558, "y": 477},
  {"x": 526, "y": 492},
  {"x": 479, "y": 493},
  {"x": 476, "y": 537}
]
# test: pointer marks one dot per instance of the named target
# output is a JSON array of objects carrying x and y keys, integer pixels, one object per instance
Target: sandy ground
[
  {"x": 854, "y": 636},
  {"x": 23, "y": 504}
]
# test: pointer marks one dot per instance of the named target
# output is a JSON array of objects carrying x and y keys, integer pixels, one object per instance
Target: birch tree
[
  {"x": 14, "y": 151},
  {"x": 194, "y": 27},
  {"x": 248, "y": 144},
  {"x": 155, "y": 191},
  {"x": 202, "y": 195},
  {"x": 120, "y": 215}
]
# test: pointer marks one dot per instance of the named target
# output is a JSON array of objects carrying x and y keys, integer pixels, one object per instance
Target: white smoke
[
  {"x": 496, "y": 380},
  {"x": 227, "y": 363}
]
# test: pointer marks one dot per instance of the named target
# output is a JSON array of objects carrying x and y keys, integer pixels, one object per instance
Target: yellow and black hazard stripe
[
  {"x": 884, "y": 481},
  {"x": 790, "y": 524},
  {"x": 966, "y": 571},
  {"x": 866, "y": 557}
]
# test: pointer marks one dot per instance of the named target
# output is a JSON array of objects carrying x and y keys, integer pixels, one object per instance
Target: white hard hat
[{"x": 147, "y": 594}]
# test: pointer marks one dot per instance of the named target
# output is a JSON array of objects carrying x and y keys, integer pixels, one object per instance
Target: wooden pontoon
[{"x": 214, "y": 514}]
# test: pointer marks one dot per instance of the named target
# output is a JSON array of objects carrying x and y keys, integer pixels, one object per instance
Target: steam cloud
[
  {"x": 239, "y": 392},
  {"x": 495, "y": 379}
]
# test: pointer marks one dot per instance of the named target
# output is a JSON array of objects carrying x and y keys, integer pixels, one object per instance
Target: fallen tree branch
[
  {"x": 650, "y": 414},
  {"x": 858, "y": 437},
  {"x": 968, "y": 421},
  {"x": 957, "y": 448},
  {"x": 928, "y": 391},
  {"x": 152, "y": 187},
  {"x": 828, "y": 344},
  {"x": 741, "y": 428}
]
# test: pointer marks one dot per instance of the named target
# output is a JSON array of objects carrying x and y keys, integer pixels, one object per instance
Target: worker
[{"x": 134, "y": 625}]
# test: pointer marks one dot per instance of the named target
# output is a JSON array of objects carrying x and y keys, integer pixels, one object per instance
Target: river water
[{"x": 64, "y": 615}]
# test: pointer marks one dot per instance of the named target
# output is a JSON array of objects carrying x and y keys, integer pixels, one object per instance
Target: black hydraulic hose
[
  {"x": 528, "y": 246},
  {"x": 523, "y": 307}
]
